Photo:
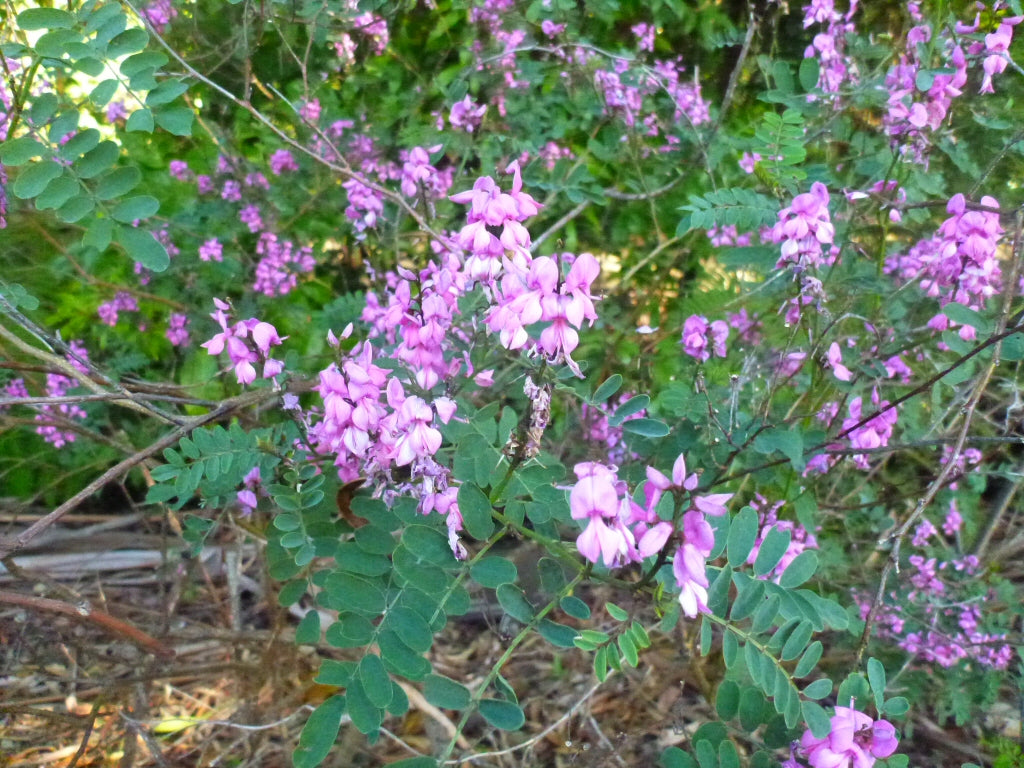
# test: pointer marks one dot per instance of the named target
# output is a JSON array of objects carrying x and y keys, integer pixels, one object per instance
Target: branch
[
  {"x": 9, "y": 546},
  {"x": 85, "y": 612}
]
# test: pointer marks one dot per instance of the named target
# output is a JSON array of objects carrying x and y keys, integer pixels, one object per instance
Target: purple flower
[
  {"x": 250, "y": 216},
  {"x": 466, "y": 115},
  {"x": 282, "y": 161},
  {"x": 177, "y": 332},
  {"x": 179, "y": 170},
  {"x": 699, "y": 335},
  {"x": 211, "y": 250}
]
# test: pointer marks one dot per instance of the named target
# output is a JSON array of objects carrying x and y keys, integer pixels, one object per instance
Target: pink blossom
[{"x": 855, "y": 741}]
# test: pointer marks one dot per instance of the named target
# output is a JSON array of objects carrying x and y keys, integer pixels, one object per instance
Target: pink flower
[
  {"x": 835, "y": 361},
  {"x": 855, "y": 741}
]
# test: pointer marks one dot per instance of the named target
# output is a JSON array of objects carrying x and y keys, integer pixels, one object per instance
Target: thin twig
[{"x": 559, "y": 224}]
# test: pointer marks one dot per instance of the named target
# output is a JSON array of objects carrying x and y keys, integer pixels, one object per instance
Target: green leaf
[
  {"x": 291, "y": 592},
  {"x": 718, "y": 592},
  {"x": 742, "y": 534},
  {"x": 809, "y": 73},
  {"x": 142, "y": 65},
  {"x": 141, "y": 120},
  {"x": 730, "y": 649},
  {"x": 674, "y": 757},
  {"x": 79, "y": 144},
  {"x": 308, "y": 631},
  {"x": 176, "y": 120},
  {"x": 19, "y": 151},
  {"x": 334, "y": 672},
  {"x": 797, "y": 641},
  {"x": 601, "y": 663},
  {"x": 129, "y": 41},
  {"x": 614, "y": 611},
  {"x": 446, "y": 693},
  {"x": 751, "y": 708},
  {"x": 476, "y": 511},
  {"x": 749, "y": 598},
  {"x": 400, "y": 658},
  {"x": 45, "y": 18},
  {"x": 411, "y": 628},
  {"x": 809, "y": 660},
  {"x": 44, "y": 107},
  {"x": 876, "y": 679},
  {"x": 118, "y": 181},
  {"x": 502, "y": 714},
  {"x": 493, "y": 571},
  {"x": 365, "y": 716},
  {"x": 816, "y": 718},
  {"x": 788, "y": 442},
  {"x": 96, "y": 161},
  {"x": 429, "y": 544},
  {"x": 166, "y": 92},
  {"x": 800, "y": 570},
  {"x": 646, "y": 427},
  {"x": 34, "y": 179},
  {"x": 962, "y": 315},
  {"x": 575, "y": 607},
  {"x": 58, "y": 192},
  {"x": 632, "y": 406},
  {"x": 728, "y": 757},
  {"x": 727, "y": 700},
  {"x": 133, "y": 208},
  {"x": 346, "y": 592},
  {"x": 897, "y": 706},
  {"x": 610, "y": 386},
  {"x": 376, "y": 681},
  {"x": 774, "y": 546},
  {"x": 104, "y": 92},
  {"x": 558, "y": 635},
  {"x": 144, "y": 248},
  {"x": 819, "y": 689},
  {"x": 765, "y": 615},
  {"x": 319, "y": 733},
  {"x": 514, "y": 602},
  {"x": 629, "y": 650},
  {"x": 350, "y": 631}
]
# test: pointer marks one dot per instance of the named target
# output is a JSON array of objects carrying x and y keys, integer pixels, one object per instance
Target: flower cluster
[
  {"x": 875, "y": 433},
  {"x": 247, "y": 342},
  {"x": 701, "y": 338},
  {"x": 177, "y": 330},
  {"x": 418, "y": 319},
  {"x": 854, "y": 741},
  {"x": 492, "y": 208},
  {"x": 278, "y": 271},
  {"x": 418, "y": 174},
  {"x": 122, "y": 302},
  {"x": 803, "y": 228},
  {"x": 620, "y": 530},
  {"x": 829, "y": 46},
  {"x": 53, "y": 419},
  {"x": 535, "y": 292}
]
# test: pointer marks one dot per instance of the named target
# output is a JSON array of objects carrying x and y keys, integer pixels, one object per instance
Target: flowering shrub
[{"x": 796, "y": 248}]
